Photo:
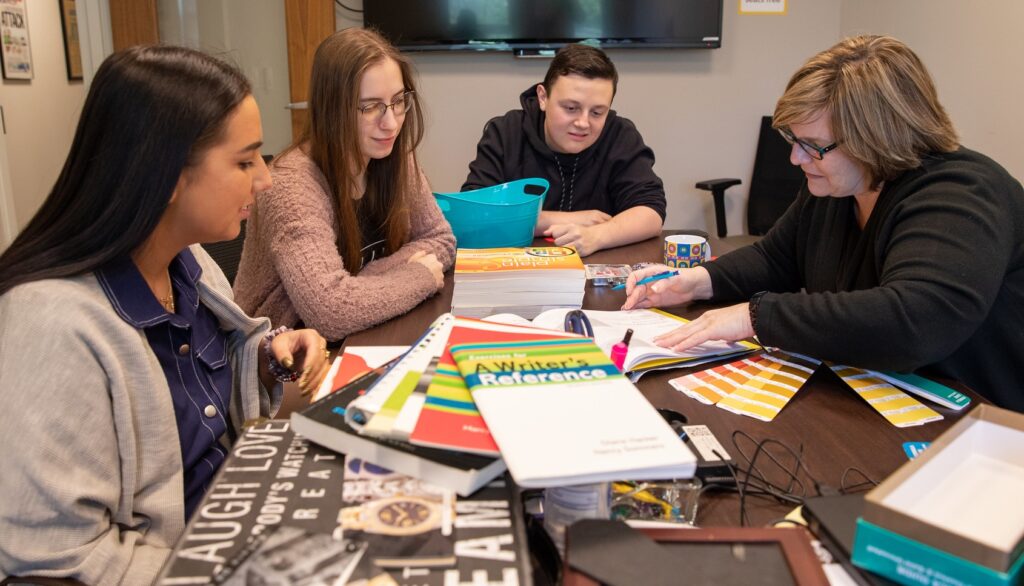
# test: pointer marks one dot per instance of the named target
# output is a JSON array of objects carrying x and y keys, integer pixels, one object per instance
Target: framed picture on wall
[
  {"x": 15, "y": 51},
  {"x": 72, "y": 48}
]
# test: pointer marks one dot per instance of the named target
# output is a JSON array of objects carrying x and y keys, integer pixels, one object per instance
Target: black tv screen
[{"x": 538, "y": 25}]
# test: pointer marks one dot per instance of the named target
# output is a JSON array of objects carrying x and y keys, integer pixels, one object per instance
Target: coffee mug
[{"x": 686, "y": 250}]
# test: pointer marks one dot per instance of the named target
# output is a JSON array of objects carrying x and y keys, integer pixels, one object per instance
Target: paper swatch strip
[
  {"x": 898, "y": 408},
  {"x": 758, "y": 386}
]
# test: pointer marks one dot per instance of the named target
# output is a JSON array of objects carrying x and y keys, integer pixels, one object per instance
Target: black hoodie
[{"x": 612, "y": 175}]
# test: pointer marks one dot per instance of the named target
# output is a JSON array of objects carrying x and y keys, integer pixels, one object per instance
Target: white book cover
[
  {"x": 562, "y": 414},
  {"x": 377, "y": 411}
]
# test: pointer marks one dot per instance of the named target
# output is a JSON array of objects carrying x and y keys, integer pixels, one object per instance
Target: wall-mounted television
[{"x": 542, "y": 26}]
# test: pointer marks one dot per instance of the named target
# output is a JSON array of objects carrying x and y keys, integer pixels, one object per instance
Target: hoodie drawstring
[{"x": 572, "y": 179}]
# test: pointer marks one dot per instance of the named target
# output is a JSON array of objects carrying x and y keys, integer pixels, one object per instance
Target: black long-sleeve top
[
  {"x": 933, "y": 283},
  {"x": 612, "y": 175}
]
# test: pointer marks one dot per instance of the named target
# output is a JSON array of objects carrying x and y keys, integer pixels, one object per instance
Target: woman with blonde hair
[
  {"x": 350, "y": 235},
  {"x": 903, "y": 251}
]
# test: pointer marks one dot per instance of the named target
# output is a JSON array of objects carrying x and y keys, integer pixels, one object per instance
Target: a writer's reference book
[
  {"x": 562, "y": 414},
  {"x": 643, "y": 354}
]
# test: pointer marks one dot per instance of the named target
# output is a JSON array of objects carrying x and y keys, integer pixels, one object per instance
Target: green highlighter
[{"x": 928, "y": 389}]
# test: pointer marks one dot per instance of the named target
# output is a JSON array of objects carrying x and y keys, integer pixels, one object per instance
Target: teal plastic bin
[{"x": 496, "y": 216}]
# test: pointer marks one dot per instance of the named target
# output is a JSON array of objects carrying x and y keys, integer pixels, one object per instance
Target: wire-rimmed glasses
[{"x": 374, "y": 111}]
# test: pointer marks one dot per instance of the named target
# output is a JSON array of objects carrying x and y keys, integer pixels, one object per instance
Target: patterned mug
[{"x": 686, "y": 250}]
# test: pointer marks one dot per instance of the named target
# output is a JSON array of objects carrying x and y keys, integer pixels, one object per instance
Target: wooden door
[
  {"x": 307, "y": 23},
  {"x": 133, "y": 22}
]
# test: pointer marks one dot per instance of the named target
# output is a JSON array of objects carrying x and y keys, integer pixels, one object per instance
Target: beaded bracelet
[
  {"x": 753, "y": 306},
  {"x": 279, "y": 372}
]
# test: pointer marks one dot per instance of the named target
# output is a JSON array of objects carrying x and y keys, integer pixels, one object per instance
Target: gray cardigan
[{"x": 90, "y": 465}]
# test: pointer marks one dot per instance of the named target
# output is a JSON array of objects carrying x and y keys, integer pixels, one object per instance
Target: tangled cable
[{"x": 783, "y": 462}]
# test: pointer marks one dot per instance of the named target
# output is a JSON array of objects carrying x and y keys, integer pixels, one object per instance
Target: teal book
[
  {"x": 929, "y": 389},
  {"x": 908, "y": 561}
]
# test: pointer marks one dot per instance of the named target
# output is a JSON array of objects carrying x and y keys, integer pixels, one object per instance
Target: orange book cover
[{"x": 513, "y": 260}]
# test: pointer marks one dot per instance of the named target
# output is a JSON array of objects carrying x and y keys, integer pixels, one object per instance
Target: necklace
[{"x": 168, "y": 302}]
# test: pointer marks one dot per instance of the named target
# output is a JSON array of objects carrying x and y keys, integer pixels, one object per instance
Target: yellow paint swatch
[
  {"x": 898, "y": 408},
  {"x": 758, "y": 386}
]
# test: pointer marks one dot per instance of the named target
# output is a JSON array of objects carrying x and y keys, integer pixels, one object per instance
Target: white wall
[
  {"x": 248, "y": 33},
  {"x": 973, "y": 51},
  {"x": 258, "y": 39},
  {"x": 698, "y": 109},
  {"x": 8, "y": 221},
  {"x": 40, "y": 114}
]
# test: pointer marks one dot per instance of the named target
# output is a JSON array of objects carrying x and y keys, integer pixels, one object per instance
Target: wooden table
[{"x": 835, "y": 429}]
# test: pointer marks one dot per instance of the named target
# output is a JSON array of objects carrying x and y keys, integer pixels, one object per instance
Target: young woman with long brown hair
[{"x": 350, "y": 235}]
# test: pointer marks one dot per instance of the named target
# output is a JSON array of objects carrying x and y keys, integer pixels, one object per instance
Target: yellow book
[
  {"x": 542, "y": 259},
  {"x": 523, "y": 281}
]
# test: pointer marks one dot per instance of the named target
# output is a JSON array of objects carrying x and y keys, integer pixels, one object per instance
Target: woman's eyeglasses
[
  {"x": 812, "y": 150},
  {"x": 374, "y": 111}
]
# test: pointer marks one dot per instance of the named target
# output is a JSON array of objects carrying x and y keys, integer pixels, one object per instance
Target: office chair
[
  {"x": 773, "y": 185},
  {"x": 228, "y": 253}
]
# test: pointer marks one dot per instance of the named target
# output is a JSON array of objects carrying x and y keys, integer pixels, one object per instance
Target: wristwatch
[{"x": 397, "y": 515}]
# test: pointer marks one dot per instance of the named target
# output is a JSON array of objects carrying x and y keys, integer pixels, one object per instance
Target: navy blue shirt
[{"x": 192, "y": 350}]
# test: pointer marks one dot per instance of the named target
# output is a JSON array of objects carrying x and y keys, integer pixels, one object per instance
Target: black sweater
[
  {"x": 612, "y": 175},
  {"x": 934, "y": 282}
]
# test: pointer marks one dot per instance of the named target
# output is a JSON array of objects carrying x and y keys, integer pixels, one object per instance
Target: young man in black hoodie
[{"x": 604, "y": 192}]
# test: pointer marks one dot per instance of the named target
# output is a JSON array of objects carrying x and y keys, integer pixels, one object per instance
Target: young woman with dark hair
[
  {"x": 125, "y": 366},
  {"x": 350, "y": 235}
]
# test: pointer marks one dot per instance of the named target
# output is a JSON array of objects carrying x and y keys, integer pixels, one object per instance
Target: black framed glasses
[
  {"x": 812, "y": 150},
  {"x": 374, "y": 111}
]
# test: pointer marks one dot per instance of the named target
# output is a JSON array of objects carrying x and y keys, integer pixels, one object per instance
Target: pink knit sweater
[{"x": 291, "y": 269}]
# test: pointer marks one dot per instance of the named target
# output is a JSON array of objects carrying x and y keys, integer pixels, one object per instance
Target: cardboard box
[{"x": 964, "y": 495}]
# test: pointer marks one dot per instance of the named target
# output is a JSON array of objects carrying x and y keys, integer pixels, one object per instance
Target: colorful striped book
[
  {"x": 562, "y": 413},
  {"x": 449, "y": 418}
]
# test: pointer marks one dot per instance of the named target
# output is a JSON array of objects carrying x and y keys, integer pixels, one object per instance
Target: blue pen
[{"x": 650, "y": 279}]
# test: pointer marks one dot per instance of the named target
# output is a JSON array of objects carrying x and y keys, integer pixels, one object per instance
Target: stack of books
[
  {"x": 523, "y": 281},
  {"x": 455, "y": 409}
]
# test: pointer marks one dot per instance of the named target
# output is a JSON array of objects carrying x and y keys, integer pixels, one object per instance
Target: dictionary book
[{"x": 523, "y": 281}]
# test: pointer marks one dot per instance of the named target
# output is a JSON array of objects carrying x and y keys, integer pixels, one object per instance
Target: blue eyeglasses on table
[{"x": 650, "y": 279}]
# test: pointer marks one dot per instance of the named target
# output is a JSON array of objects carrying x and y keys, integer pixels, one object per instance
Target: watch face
[{"x": 404, "y": 514}]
